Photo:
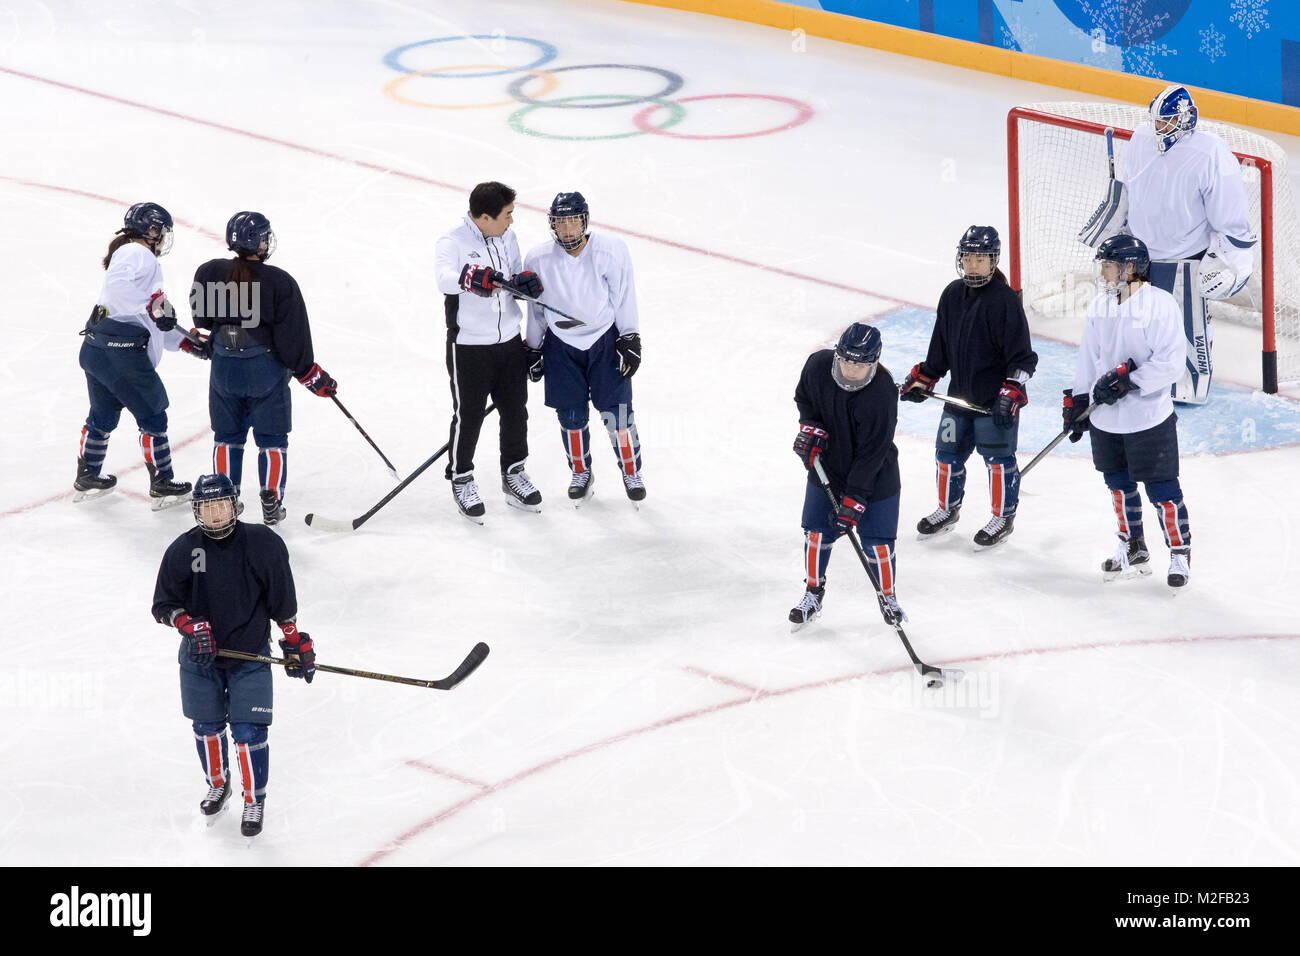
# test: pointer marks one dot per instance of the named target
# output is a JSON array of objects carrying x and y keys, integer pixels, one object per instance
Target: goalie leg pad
[
  {"x": 1108, "y": 219},
  {"x": 1194, "y": 387}
]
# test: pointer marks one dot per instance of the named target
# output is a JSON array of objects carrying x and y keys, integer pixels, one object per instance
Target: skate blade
[
  {"x": 933, "y": 535},
  {"x": 977, "y": 547},
  {"x": 469, "y": 517},
  {"x": 81, "y": 496},
  {"x": 169, "y": 501},
  {"x": 518, "y": 505},
  {"x": 795, "y": 626},
  {"x": 1130, "y": 574},
  {"x": 579, "y": 502}
]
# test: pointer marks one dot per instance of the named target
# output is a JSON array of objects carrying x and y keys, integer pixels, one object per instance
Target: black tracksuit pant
[{"x": 480, "y": 372}]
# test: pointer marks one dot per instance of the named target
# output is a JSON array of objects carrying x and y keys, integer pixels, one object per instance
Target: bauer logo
[{"x": 76, "y": 909}]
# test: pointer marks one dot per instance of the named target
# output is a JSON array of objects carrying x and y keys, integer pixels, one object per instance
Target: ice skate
[
  {"x": 166, "y": 492},
  {"x": 580, "y": 487},
  {"x": 465, "y": 490},
  {"x": 808, "y": 609},
  {"x": 273, "y": 511},
  {"x": 251, "y": 824},
  {"x": 1180, "y": 568},
  {"x": 635, "y": 489},
  {"x": 89, "y": 486},
  {"x": 938, "y": 523},
  {"x": 994, "y": 533},
  {"x": 519, "y": 489},
  {"x": 215, "y": 801},
  {"x": 1131, "y": 560}
]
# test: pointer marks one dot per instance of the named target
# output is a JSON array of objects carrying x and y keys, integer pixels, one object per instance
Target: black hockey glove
[
  {"x": 317, "y": 381},
  {"x": 1114, "y": 385},
  {"x": 1071, "y": 409},
  {"x": 1011, "y": 398},
  {"x": 202, "y": 349},
  {"x": 528, "y": 283},
  {"x": 199, "y": 645},
  {"x": 161, "y": 311},
  {"x": 298, "y": 651},
  {"x": 917, "y": 385},
  {"x": 848, "y": 513},
  {"x": 810, "y": 442},
  {"x": 481, "y": 280},
  {"x": 536, "y": 366},
  {"x": 629, "y": 353}
]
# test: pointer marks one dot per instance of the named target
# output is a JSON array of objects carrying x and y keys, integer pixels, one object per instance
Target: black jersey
[
  {"x": 860, "y": 459},
  {"x": 239, "y": 583},
  {"x": 981, "y": 336},
  {"x": 279, "y": 315}
]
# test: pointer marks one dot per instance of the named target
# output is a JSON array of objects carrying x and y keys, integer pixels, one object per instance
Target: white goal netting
[{"x": 1059, "y": 175}]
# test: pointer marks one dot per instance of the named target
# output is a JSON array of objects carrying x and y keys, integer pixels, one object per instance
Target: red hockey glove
[
  {"x": 318, "y": 381},
  {"x": 917, "y": 385},
  {"x": 199, "y": 644},
  {"x": 298, "y": 649},
  {"x": 810, "y": 442},
  {"x": 480, "y": 280}
]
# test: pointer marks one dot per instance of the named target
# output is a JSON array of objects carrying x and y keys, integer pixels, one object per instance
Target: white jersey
[
  {"x": 1179, "y": 199},
  {"x": 595, "y": 286},
  {"x": 478, "y": 320},
  {"x": 1147, "y": 327},
  {"x": 133, "y": 276}
]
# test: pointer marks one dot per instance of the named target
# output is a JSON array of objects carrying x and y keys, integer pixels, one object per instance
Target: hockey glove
[
  {"x": 917, "y": 385},
  {"x": 298, "y": 651},
  {"x": 481, "y": 280},
  {"x": 318, "y": 381},
  {"x": 199, "y": 645},
  {"x": 528, "y": 283},
  {"x": 1071, "y": 409},
  {"x": 1011, "y": 398},
  {"x": 161, "y": 311},
  {"x": 1114, "y": 385},
  {"x": 850, "y": 510},
  {"x": 536, "y": 365},
  {"x": 629, "y": 353},
  {"x": 810, "y": 442},
  {"x": 202, "y": 349}
]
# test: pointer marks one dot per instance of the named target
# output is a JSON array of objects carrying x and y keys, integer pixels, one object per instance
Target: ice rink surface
[{"x": 645, "y": 701}]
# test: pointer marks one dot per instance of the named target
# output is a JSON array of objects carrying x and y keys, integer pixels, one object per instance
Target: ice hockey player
[
  {"x": 588, "y": 275},
  {"x": 848, "y": 407},
  {"x": 1130, "y": 353},
  {"x": 981, "y": 336},
  {"x": 474, "y": 263},
  {"x": 221, "y": 584},
  {"x": 1184, "y": 198},
  {"x": 120, "y": 353},
  {"x": 260, "y": 336}
]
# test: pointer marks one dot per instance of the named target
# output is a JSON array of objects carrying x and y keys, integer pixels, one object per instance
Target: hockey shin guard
[
  {"x": 254, "y": 759},
  {"x": 228, "y": 460},
  {"x": 157, "y": 452},
  {"x": 816, "y": 555},
  {"x": 576, "y": 437},
  {"x": 210, "y": 738},
  {"x": 623, "y": 436},
  {"x": 950, "y": 476},
  {"x": 272, "y": 469},
  {"x": 1004, "y": 486},
  {"x": 1167, "y": 496},
  {"x": 1126, "y": 502},
  {"x": 94, "y": 447},
  {"x": 880, "y": 552}
]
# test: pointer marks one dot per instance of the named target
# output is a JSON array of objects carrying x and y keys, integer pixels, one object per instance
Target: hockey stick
[
  {"x": 321, "y": 523},
  {"x": 934, "y": 676},
  {"x": 1056, "y": 441},
  {"x": 568, "y": 322},
  {"x": 391, "y": 469},
  {"x": 467, "y": 667},
  {"x": 959, "y": 402}
]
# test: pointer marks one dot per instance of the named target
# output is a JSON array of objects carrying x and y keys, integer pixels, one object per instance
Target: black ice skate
[
  {"x": 807, "y": 610},
  {"x": 273, "y": 511},
  {"x": 89, "y": 486},
  {"x": 465, "y": 490},
  {"x": 1180, "y": 567},
  {"x": 519, "y": 489},
  {"x": 215, "y": 801},
  {"x": 1131, "y": 560},
  {"x": 938, "y": 523},
  {"x": 635, "y": 488},
  {"x": 580, "y": 487},
  {"x": 994, "y": 533},
  {"x": 166, "y": 492},
  {"x": 251, "y": 824}
]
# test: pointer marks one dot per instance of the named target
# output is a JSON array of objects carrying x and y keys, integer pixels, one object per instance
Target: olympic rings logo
[{"x": 531, "y": 91}]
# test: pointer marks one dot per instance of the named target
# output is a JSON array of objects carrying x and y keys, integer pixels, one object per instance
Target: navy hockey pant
[
  {"x": 119, "y": 375},
  {"x": 877, "y": 530},
  {"x": 1151, "y": 457},
  {"x": 960, "y": 435},
  {"x": 250, "y": 389},
  {"x": 242, "y": 696},
  {"x": 576, "y": 380}
]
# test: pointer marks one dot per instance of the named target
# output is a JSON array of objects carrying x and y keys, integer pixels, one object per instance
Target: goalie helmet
[
  {"x": 1124, "y": 250},
  {"x": 151, "y": 222},
  {"x": 979, "y": 241},
  {"x": 1173, "y": 115},
  {"x": 210, "y": 490},
  {"x": 245, "y": 233},
  {"x": 859, "y": 349},
  {"x": 569, "y": 206}
]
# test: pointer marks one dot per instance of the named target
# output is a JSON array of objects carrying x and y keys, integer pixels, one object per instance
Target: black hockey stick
[
  {"x": 934, "y": 676},
  {"x": 391, "y": 469},
  {"x": 321, "y": 523},
  {"x": 568, "y": 322},
  {"x": 467, "y": 667},
  {"x": 1056, "y": 441},
  {"x": 959, "y": 402}
]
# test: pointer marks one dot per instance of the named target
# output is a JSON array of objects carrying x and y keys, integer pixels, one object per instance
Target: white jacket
[
  {"x": 478, "y": 320},
  {"x": 595, "y": 286},
  {"x": 133, "y": 276}
]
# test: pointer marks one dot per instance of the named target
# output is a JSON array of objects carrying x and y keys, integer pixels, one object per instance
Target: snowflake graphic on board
[
  {"x": 1212, "y": 43},
  {"x": 1250, "y": 15},
  {"x": 1016, "y": 36},
  {"x": 1129, "y": 25}
]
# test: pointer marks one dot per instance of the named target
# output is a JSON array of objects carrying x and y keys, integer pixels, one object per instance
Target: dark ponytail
[{"x": 118, "y": 242}]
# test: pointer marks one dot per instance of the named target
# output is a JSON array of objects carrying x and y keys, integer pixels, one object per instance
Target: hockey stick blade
[
  {"x": 321, "y": 523},
  {"x": 468, "y": 666}
]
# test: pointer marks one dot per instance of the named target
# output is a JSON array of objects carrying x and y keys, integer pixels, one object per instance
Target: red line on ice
[{"x": 400, "y": 841}]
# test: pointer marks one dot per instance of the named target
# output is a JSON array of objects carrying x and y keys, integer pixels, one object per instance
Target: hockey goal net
[{"x": 1057, "y": 174}]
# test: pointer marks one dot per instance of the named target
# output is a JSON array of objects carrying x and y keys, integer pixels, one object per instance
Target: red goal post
[{"x": 1057, "y": 174}]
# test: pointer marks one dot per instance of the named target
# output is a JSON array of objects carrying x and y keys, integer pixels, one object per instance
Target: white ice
[{"x": 645, "y": 701}]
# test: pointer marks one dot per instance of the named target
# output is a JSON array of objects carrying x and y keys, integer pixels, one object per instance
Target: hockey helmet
[
  {"x": 859, "y": 348},
  {"x": 979, "y": 241},
  {"x": 214, "y": 521},
  {"x": 1173, "y": 115},
  {"x": 245, "y": 233},
  {"x": 569, "y": 206},
  {"x": 151, "y": 222},
  {"x": 1123, "y": 250}
]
